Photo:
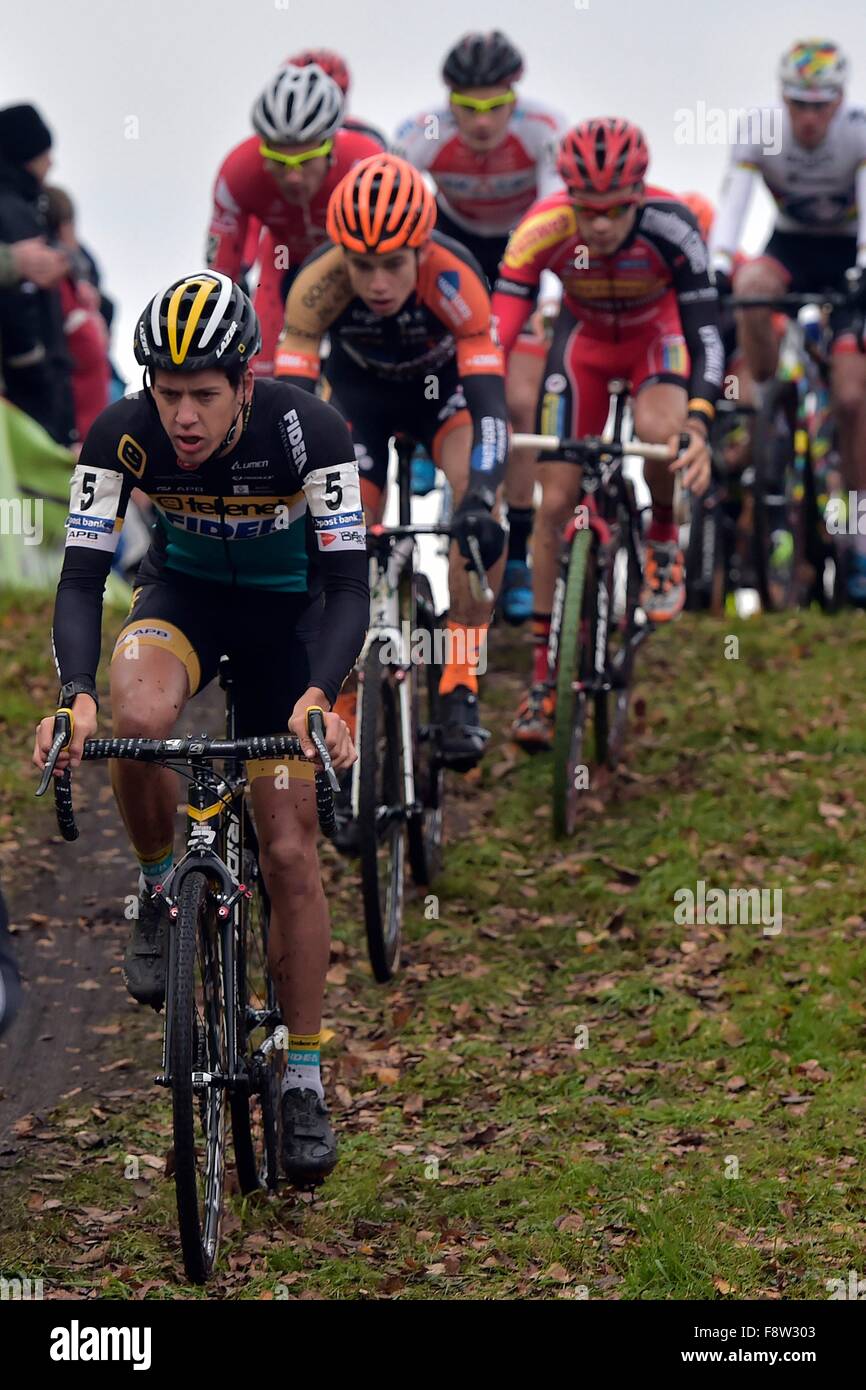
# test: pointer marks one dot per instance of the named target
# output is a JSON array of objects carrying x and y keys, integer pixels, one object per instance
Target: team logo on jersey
[
  {"x": 537, "y": 233},
  {"x": 448, "y": 283},
  {"x": 131, "y": 455}
]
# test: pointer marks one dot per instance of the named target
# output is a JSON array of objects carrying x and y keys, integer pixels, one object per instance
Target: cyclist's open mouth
[{"x": 188, "y": 443}]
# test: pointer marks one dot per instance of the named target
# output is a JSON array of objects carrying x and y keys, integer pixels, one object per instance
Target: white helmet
[
  {"x": 299, "y": 104},
  {"x": 813, "y": 70}
]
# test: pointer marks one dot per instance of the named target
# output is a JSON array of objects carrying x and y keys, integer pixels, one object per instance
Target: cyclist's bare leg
[
  {"x": 148, "y": 693},
  {"x": 300, "y": 935},
  {"x": 758, "y": 338},
  {"x": 453, "y": 459},
  {"x": 660, "y": 411},
  {"x": 848, "y": 387},
  {"x": 522, "y": 387},
  {"x": 560, "y": 489}
]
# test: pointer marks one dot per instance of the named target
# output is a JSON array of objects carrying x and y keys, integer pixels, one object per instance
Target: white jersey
[
  {"x": 487, "y": 194},
  {"x": 820, "y": 192}
]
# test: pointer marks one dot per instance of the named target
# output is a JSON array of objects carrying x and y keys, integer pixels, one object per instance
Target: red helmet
[
  {"x": 607, "y": 155},
  {"x": 329, "y": 61},
  {"x": 703, "y": 210}
]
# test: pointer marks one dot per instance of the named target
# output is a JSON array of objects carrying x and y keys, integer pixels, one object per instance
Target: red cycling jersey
[
  {"x": 243, "y": 190},
  {"x": 658, "y": 277}
]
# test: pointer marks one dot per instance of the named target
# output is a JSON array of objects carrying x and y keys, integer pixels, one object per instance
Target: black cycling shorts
[
  {"x": 815, "y": 264},
  {"x": 265, "y": 633},
  {"x": 375, "y": 409}
]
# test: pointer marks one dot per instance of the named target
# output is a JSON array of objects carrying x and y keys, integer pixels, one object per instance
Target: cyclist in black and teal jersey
[{"x": 259, "y": 552}]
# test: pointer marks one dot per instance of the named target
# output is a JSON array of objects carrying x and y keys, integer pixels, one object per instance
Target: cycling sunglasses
[
  {"x": 612, "y": 212},
  {"x": 294, "y": 160},
  {"x": 483, "y": 103}
]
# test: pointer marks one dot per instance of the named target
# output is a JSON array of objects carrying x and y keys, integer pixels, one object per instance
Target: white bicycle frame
[{"x": 385, "y": 626}]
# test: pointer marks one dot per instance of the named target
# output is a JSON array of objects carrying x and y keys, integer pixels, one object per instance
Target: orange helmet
[
  {"x": 381, "y": 205},
  {"x": 702, "y": 209}
]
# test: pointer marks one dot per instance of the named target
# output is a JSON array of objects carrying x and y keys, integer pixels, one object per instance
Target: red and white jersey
[
  {"x": 244, "y": 189},
  {"x": 487, "y": 193}
]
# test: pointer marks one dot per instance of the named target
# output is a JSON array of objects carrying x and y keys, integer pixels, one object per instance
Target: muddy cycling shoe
[
  {"x": 533, "y": 723},
  {"x": 144, "y": 962},
  {"x": 309, "y": 1148},
  {"x": 517, "y": 593},
  {"x": 345, "y": 837},
  {"x": 463, "y": 738},
  {"x": 664, "y": 582}
]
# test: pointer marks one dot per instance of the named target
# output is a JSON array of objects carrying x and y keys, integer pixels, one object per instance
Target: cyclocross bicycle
[
  {"x": 224, "y": 1041},
  {"x": 795, "y": 455},
  {"x": 398, "y": 779},
  {"x": 596, "y": 624}
]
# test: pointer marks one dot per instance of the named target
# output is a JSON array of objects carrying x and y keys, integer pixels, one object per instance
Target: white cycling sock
[{"x": 303, "y": 1064}]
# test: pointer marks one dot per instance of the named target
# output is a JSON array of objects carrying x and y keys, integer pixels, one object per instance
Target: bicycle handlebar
[
  {"x": 592, "y": 449},
  {"x": 190, "y": 749},
  {"x": 834, "y": 298},
  {"x": 478, "y": 583}
]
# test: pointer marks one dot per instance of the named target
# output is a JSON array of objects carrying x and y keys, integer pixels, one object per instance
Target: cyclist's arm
[
  {"x": 699, "y": 314},
  {"x": 337, "y": 545},
  {"x": 523, "y": 265},
  {"x": 481, "y": 367},
  {"x": 736, "y": 196},
  {"x": 511, "y": 305},
  {"x": 319, "y": 293},
  {"x": 227, "y": 232},
  {"x": 860, "y": 189},
  {"x": 99, "y": 495}
]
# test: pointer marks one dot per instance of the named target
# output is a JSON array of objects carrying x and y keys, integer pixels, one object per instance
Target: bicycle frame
[{"x": 392, "y": 565}]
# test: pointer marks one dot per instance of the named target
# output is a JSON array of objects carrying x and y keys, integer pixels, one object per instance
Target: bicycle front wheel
[
  {"x": 197, "y": 1068},
  {"x": 381, "y": 811},
  {"x": 425, "y": 829},
  {"x": 572, "y": 705},
  {"x": 256, "y": 1112}
]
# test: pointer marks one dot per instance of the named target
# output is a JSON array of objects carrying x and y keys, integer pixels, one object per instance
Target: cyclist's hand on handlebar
[
  {"x": 473, "y": 518},
  {"x": 337, "y": 737},
  {"x": 84, "y": 722},
  {"x": 693, "y": 464}
]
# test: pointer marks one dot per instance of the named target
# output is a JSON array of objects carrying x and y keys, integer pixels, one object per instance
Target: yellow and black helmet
[{"x": 201, "y": 321}]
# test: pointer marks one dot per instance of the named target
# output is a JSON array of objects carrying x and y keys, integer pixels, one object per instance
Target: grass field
[{"x": 566, "y": 1092}]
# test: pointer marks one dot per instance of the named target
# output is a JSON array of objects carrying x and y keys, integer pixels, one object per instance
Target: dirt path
[{"x": 66, "y": 903}]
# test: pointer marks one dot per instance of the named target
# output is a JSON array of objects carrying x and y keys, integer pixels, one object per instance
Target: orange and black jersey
[{"x": 444, "y": 324}]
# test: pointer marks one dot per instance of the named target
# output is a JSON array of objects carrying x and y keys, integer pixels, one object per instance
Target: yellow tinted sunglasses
[
  {"x": 483, "y": 103},
  {"x": 293, "y": 160}
]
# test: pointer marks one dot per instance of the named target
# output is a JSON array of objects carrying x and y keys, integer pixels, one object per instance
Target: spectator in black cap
[{"x": 33, "y": 358}]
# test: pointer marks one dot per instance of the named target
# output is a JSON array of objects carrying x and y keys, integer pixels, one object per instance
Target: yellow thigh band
[
  {"x": 280, "y": 769},
  {"x": 156, "y": 632}
]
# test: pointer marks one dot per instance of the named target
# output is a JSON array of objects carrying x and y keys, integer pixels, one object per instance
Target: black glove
[
  {"x": 723, "y": 283},
  {"x": 472, "y": 518}
]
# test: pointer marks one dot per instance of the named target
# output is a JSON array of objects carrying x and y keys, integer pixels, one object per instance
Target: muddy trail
[{"x": 66, "y": 905}]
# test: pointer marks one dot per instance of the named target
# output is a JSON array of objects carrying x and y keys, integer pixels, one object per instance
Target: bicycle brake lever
[
  {"x": 478, "y": 585},
  {"x": 62, "y": 735},
  {"x": 316, "y": 730}
]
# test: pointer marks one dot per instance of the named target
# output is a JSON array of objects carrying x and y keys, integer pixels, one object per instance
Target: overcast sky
[{"x": 188, "y": 71}]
